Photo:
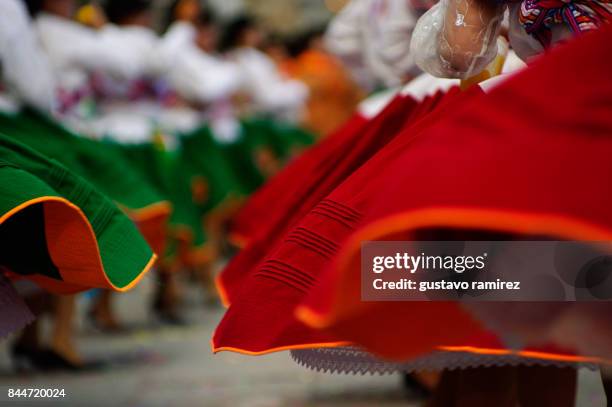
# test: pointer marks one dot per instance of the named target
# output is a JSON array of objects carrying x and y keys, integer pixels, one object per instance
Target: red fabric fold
[
  {"x": 529, "y": 159},
  {"x": 264, "y": 291}
]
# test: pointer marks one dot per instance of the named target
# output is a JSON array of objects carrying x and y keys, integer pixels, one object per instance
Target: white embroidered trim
[{"x": 350, "y": 360}]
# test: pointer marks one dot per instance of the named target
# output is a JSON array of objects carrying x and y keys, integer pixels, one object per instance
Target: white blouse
[
  {"x": 269, "y": 90},
  {"x": 203, "y": 78},
  {"x": 373, "y": 38},
  {"x": 75, "y": 51}
]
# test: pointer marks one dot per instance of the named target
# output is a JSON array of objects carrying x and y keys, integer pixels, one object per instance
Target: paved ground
[{"x": 160, "y": 366}]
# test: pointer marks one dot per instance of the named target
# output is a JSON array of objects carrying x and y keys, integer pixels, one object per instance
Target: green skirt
[
  {"x": 281, "y": 138},
  {"x": 172, "y": 176},
  {"x": 100, "y": 164},
  {"x": 59, "y": 231},
  {"x": 211, "y": 170},
  {"x": 238, "y": 168}
]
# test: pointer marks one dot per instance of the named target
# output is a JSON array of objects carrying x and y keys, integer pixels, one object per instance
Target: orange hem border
[
  {"x": 277, "y": 349},
  {"x": 457, "y": 349},
  {"x": 223, "y": 296},
  {"x": 526, "y": 354}
]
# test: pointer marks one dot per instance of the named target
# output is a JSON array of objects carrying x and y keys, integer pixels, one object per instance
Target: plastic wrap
[{"x": 457, "y": 38}]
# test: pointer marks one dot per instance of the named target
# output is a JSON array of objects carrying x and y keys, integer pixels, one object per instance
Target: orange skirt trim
[
  {"x": 526, "y": 354},
  {"x": 274, "y": 350},
  {"x": 463, "y": 349},
  {"x": 223, "y": 297},
  {"x": 152, "y": 221}
]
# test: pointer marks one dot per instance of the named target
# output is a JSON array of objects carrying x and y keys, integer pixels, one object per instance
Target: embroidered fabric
[
  {"x": 351, "y": 360},
  {"x": 14, "y": 314},
  {"x": 540, "y": 17}
]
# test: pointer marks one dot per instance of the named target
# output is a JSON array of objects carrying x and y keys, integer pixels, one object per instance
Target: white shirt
[
  {"x": 136, "y": 51},
  {"x": 75, "y": 51},
  {"x": 269, "y": 90},
  {"x": 373, "y": 38},
  {"x": 203, "y": 78},
  {"x": 179, "y": 36},
  {"x": 118, "y": 55}
]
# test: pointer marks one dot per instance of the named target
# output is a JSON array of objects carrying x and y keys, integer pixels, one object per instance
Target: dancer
[{"x": 313, "y": 244}]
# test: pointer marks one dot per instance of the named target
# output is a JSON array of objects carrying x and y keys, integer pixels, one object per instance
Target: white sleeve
[
  {"x": 179, "y": 37},
  {"x": 202, "y": 78},
  {"x": 269, "y": 90},
  {"x": 24, "y": 65},
  {"x": 71, "y": 44},
  {"x": 396, "y": 33},
  {"x": 344, "y": 37},
  {"x": 135, "y": 51},
  {"x": 285, "y": 95},
  {"x": 374, "y": 36}
]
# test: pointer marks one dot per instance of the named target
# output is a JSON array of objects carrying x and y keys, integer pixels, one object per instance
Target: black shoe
[
  {"x": 49, "y": 360},
  {"x": 24, "y": 358},
  {"x": 171, "y": 318}
]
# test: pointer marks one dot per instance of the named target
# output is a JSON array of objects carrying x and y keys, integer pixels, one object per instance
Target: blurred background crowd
[
  {"x": 221, "y": 93},
  {"x": 215, "y": 95}
]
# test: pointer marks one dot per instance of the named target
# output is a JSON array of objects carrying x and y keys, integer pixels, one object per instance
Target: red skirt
[
  {"x": 251, "y": 277},
  {"x": 530, "y": 158}
]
